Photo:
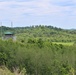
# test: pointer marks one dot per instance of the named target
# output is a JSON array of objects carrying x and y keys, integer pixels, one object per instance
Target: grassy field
[{"x": 64, "y": 43}]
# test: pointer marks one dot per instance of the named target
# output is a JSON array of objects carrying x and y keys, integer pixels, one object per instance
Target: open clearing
[{"x": 64, "y": 43}]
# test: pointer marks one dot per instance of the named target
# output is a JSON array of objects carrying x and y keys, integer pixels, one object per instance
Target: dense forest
[{"x": 38, "y": 50}]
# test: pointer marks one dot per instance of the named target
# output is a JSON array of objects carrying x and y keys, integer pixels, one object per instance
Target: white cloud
[
  {"x": 34, "y": 7},
  {"x": 15, "y": 10}
]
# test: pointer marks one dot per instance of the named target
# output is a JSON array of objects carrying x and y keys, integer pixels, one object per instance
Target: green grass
[{"x": 64, "y": 43}]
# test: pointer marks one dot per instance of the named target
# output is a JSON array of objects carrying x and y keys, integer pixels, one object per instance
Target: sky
[{"x": 57, "y": 13}]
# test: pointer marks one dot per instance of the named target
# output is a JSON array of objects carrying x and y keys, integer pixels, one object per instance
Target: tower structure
[{"x": 9, "y": 34}]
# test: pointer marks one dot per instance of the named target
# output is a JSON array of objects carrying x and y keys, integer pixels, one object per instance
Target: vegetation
[
  {"x": 5, "y": 71},
  {"x": 50, "y": 33},
  {"x": 39, "y": 50},
  {"x": 64, "y": 43}
]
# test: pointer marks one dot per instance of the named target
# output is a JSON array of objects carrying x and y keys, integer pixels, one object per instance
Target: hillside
[
  {"x": 36, "y": 53},
  {"x": 49, "y": 33}
]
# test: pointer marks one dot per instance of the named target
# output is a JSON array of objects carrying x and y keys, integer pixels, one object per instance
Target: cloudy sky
[{"x": 59, "y": 13}]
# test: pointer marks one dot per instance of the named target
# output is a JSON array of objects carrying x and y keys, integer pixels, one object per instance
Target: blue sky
[{"x": 59, "y": 13}]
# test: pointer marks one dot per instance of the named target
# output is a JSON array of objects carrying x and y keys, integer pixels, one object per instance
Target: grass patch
[
  {"x": 64, "y": 43},
  {"x": 5, "y": 71}
]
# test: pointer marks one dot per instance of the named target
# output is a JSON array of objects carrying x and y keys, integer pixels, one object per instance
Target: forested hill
[
  {"x": 37, "y": 52},
  {"x": 50, "y": 33}
]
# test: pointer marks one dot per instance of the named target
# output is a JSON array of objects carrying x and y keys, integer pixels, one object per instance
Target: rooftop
[{"x": 8, "y": 33}]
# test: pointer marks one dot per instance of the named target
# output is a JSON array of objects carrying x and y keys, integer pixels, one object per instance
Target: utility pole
[
  {"x": 11, "y": 24},
  {"x": 1, "y": 28}
]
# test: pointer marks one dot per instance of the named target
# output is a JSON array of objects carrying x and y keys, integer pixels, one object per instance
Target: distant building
[{"x": 9, "y": 35}]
